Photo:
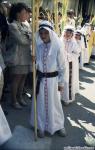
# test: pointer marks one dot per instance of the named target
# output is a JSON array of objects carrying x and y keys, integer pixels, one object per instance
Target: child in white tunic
[
  {"x": 80, "y": 42},
  {"x": 71, "y": 83},
  {"x": 50, "y": 81}
]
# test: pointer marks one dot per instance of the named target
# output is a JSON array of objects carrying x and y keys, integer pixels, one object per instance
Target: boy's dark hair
[
  {"x": 3, "y": 24},
  {"x": 16, "y": 8},
  {"x": 29, "y": 9}
]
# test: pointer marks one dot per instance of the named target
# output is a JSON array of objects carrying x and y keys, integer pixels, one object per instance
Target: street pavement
[{"x": 79, "y": 120}]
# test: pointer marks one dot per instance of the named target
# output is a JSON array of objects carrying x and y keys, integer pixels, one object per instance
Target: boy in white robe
[
  {"x": 71, "y": 83},
  {"x": 50, "y": 80},
  {"x": 86, "y": 33},
  {"x": 1, "y": 82},
  {"x": 79, "y": 40}
]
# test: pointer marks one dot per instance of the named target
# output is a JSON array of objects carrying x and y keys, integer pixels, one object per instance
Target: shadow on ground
[{"x": 76, "y": 114}]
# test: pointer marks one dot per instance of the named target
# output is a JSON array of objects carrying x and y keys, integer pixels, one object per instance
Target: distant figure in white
[
  {"x": 71, "y": 83},
  {"x": 80, "y": 41}
]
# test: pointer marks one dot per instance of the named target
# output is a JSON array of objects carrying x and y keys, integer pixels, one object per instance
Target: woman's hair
[
  {"x": 15, "y": 9},
  {"x": 2, "y": 9},
  {"x": 3, "y": 22}
]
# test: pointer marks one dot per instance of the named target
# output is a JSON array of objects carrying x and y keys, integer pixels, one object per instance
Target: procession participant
[
  {"x": 18, "y": 53},
  {"x": 71, "y": 83},
  {"x": 91, "y": 40},
  {"x": 80, "y": 42},
  {"x": 70, "y": 18},
  {"x": 88, "y": 34},
  {"x": 93, "y": 49},
  {"x": 50, "y": 81},
  {"x": 5, "y": 132}
]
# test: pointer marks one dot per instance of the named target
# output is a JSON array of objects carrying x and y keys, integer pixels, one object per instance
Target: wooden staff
[
  {"x": 56, "y": 15},
  {"x": 64, "y": 12},
  {"x": 34, "y": 68},
  {"x": 37, "y": 14}
]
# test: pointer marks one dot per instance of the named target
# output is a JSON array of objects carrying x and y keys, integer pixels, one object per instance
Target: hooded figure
[
  {"x": 80, "y": 41},
  {"x": 88, "y": 40},
  {"x": 71, "y": 82},
  {"x": 50, "y": 81}
]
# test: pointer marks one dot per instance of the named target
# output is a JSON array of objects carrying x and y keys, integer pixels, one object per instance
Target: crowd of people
[{"x": 59, "y": 56}]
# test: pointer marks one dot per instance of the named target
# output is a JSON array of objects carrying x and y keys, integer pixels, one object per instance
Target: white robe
[
  {"x": 86, "y": 56},
  {"x": 70, "y": 22},
  {"x": 85, "y": 31},
  {"x": 72, "y": 52},
  {"x": 49, "y": 108},
  {"x": 81, "y": 51},
  {"x": 1, "y": 82},
  {"x": 5, "y": 132}
]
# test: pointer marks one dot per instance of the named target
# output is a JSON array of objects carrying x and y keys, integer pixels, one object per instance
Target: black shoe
[
  {"x": 5, "y": 112},
  {"x": 16, "y": 105},
  {"x": 86, "y": 64},
  {"x": 41, "y": 134},
  {"x": 22, "y": 102},
  {"x": 62, "y": 132},
  {"x": 65, "y": 103}
]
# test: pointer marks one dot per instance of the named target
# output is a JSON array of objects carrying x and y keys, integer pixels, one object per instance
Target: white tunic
[
  {"x": 86, "y": 33},
  {"x": 70, "y": 22},
  {"x": 72, "y": 51},
  {"x": 49, "y": 108},
  {"x": 81, "y": 51},
  {"x": 1, "y": 82},
  {"x": 5, "y": 132}
]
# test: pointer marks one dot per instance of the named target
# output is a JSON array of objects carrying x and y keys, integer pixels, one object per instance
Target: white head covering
[
  {"x": 46, "y": 25},
  {"x": 67, "y": 28},
  {"x": 81, "y": 42},
  {"x": 86, "y": 28},
  {"x": 78, "y": 31},
  {"x": 55, "y": 41}
]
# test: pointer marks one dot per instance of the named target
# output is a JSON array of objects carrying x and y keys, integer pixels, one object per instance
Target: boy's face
[
  {"x": 77, "y": 36},
  {"x": 22, "y": 16},
  {"x": 68, "y": 35},
  {"x": 44, "y": 35}
]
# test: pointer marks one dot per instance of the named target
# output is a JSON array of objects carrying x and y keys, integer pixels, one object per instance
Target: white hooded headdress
[
  {"x": 55, "y": 41},
  {"x": 67, "y": 28}
]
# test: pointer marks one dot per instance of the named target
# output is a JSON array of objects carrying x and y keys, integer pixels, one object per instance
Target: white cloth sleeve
[{"x": 61, "y": 66}]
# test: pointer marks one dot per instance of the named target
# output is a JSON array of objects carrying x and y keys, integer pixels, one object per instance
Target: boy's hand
[
  {"x": 60, "y": 88},
  {"x": 33, "y": 58}
]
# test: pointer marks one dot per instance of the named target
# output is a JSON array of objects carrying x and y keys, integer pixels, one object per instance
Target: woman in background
[{"x": 18, "y": 52}]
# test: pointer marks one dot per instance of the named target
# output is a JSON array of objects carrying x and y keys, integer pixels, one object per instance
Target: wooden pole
[
  {"x": 34, "y": 68},
  {"x": 56, "y": 15},
  {"x": 37, "y": 5},
  {"x": 64, "y": 12}
]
